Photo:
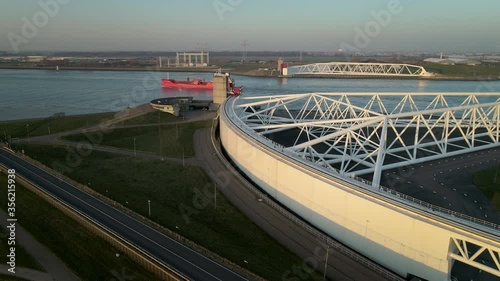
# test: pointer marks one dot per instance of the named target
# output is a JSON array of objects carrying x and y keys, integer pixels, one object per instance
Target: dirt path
[{"x": 56, "y": 269}]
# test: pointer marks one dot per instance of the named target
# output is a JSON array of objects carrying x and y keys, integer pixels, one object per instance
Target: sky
[{"x": 277, "y": 25}]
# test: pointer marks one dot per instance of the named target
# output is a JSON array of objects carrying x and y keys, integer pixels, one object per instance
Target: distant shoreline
[{"x": 247, "y": 74}]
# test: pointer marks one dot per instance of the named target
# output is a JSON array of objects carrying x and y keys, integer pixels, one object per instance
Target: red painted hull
[{"x": 194, "y": 84}]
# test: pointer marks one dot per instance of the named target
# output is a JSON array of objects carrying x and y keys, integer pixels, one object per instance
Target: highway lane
[
  {"x": 296, "y": 238},
  {"x": 189, "y": 263},
  {"x": 449, "y": 183}
]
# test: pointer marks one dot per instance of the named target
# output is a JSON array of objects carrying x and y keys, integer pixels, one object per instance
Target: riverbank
[
  {"x": 256, "y": 73},
  {"x": 434, "y": 78}
]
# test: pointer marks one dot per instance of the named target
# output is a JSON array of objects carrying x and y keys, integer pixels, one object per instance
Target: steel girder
[
  {"x": 476, "y": 254},
  {"x": 359, "y": 69},
  {"x": 354, "y": 134}
]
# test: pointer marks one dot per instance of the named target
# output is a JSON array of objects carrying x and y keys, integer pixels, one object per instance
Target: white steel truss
[
  {"x": 482, "y": 256},
  {"x": 354, "y": 134},
  {"x": 359, "y": 69}
]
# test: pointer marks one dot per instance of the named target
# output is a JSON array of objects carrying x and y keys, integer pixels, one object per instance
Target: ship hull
[{"x": 195, "y": 84}]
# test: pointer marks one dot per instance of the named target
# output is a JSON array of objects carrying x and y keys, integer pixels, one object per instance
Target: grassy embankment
[
  {"x": 489, "y": 183},
  {"x": 174, "y": 190},
  {"x": 484, "y": 71},
  {"x": 23, "y": 258},
  {"x": 38, "y": 127},
  {"x": 89, "y": 256},
  {"x": 173, "y": 140},
  {"x": 161, "y": 141}
]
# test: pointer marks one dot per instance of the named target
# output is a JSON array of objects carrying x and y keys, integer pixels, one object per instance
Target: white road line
[{"x": 134, "y": 220}]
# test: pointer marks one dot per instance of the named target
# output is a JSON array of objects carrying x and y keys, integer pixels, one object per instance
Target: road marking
[{"x": 126, "y": 215}]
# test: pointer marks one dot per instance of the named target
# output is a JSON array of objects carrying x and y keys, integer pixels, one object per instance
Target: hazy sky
[{"x": 279, "y": 25}]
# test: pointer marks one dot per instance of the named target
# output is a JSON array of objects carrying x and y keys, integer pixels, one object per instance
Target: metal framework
[
  {"x": 483, "y": 257},
  {"x": 359, "y": 69},
  {"x": 355, "y": 134}
]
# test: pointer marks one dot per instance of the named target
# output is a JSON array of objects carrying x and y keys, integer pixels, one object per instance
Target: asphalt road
[
  {"x": 449, "y": 183},
  {"x": 193, "y": 265},
  {"x": 295, "y": 237}
]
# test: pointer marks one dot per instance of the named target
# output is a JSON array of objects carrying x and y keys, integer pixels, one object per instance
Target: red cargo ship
[
  {"x": 187, "y": 84},
  {"x": 199, "y": 84}
]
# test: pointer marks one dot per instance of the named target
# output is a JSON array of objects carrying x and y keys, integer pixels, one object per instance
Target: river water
[{"x": 41, "y": 93}]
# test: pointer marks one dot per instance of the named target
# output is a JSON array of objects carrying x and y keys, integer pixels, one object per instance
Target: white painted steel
[
  {"x": 359, "y": 69},
  {"x": 349, "y": 128},
  {"x": 422, "y": 239}
]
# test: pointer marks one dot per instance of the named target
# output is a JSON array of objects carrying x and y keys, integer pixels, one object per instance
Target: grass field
[
  {"x": 463, "y": 70},
  {"x": 175, "y": 191},
  {"x": 486, "y": 182},
  {"x": 38, "y": 127},
  {"x": 172, "y": 141},
  {"x": 154, "y": 117},
  {"x": 10, "y": 278},
  {"x": 23, "y": 258},
  {"x": 89, "y": 256}
]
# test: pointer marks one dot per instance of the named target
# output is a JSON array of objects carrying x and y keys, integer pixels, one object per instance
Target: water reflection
[
  {"x": 283, "y": 81},
  {"x": 195, "y": 93},
  {"x": 422, "y": 85}
]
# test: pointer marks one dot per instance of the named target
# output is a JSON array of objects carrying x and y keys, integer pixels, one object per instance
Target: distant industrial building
[
  {"x": 184, "y": 59},
  {"x": 453, "y": 61},
  {"x": 35, "y": 58}
]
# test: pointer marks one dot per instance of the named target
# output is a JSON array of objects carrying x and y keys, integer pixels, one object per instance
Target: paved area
[
  {"x": 25, "y": 273},
  {"x": 56, "y": 270},
  {"x": 449, "y": 183},
  {"x": 294, "y": 237},
  {"x": 157, "y": 245}
]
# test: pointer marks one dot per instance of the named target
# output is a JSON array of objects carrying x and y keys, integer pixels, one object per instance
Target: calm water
[{"x": 41, "y": 93}]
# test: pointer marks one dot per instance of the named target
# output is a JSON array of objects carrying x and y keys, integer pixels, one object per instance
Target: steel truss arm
[
  {"x": 360, "y": 69},
  {"x": 343, "y": 132},
  {"x": 483, "y": 257}
]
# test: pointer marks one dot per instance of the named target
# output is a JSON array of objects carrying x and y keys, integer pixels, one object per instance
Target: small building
[
  {"x": 35, "y": 58},
  {"x": 440, "y": 61},
  {"x": 176, "y": 105},
  {"x": 166, "y": 105},
  {"x": 453, "y": 61}
]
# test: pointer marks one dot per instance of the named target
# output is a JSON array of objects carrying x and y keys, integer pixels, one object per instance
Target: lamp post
[
  {"x": 496, "y": 174},
  {"x": 149, "y": 207},
  {"x": 326, "y": 261},
  {"x": 28, "y": 132},
  {"x": 135, "y": 152}
]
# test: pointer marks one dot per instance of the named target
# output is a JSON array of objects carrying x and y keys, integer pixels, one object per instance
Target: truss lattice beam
[
  {"x": 483, "y": 257},
  {"x": 359, "y": 69},
  {"x": 355, "y": 133}
]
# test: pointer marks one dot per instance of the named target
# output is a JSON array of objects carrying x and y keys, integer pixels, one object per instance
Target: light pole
[
  {"x": 326, "y": 261},
  {"x": 135, "y": 152},
  {"x": 149, "y": 207},
  {"x": 28, "y": 132},
  {"x": 496, "y": 174}
]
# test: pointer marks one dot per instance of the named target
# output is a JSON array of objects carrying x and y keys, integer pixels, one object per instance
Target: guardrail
[
  {"x": 366, "y": 184},
  {"x": 157, "y": 267}
]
